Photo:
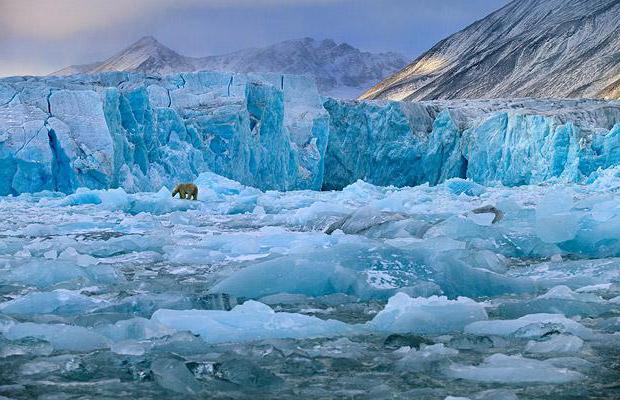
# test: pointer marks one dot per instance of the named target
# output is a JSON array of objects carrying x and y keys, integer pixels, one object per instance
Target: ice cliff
[
  {"x": 141, "y": 132},
  {"x": 509, "y": 142}
]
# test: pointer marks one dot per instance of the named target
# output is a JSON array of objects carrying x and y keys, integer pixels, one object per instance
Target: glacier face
[
  {"x": 509, "y": 142},
  {"x": 140, "y": 132}
]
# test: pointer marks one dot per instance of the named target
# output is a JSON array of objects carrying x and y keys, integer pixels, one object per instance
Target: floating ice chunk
[
  {"x": 183, "y": 343},
  {"x": 128, "y": 244},
  {"x": 559, "y": 299},
  {"x": 247, "y": 322},
  {"x": 569, "y": 308},
  {"x": 427, "y": 315},
  {"x": 134, "y": 329},
  {"x": 339, "y": 348},
  {"x": 574, "y": 273},
  {"x": 594, "y": 288},
  {"x": 574, "y": 363},
  {"x": 6, "y": 322},
  {"x": 68, "y": 254},
  {"x": 218, "y": 301},
  {"x": 44, "y": 273},
  {"x": 487, "y": 259},
  {"x": 294, "y": 275},
  {"x": 244, "y": 373},
  {"x": 172, "y": 374},
  {"x": 427, "y": 358},
  {"x": 464, "y": 186},
  {"x": 59, "y": 302},
  {"x": 112, "y": 199},
  {"x": 159, "y": 203},
  {"x": 131, "y": 347},
  {"x": 557, "y": 344},
  {"x": 82, "y": 260},
  {"x": 51, "y": 254},
  {"x": 422, "y": 289},
  {"x": 605, "y": 210},
  {"x": 483, "y": 219},
  {"x": 249, "y": 246},
  {"x": 65, "y": 363},
  {"x": 456, "y": 277},
  {"x": 563, "y": 292},
  {"x": 61, "y": 336},
  {"x": 555, "y": 220},
  {"x": 531, "y": 323},
  {"x": 500, "y": 368},
  {"x": 145, "y": 305},
  {"x": 596, "y": 239},
  {"x": 363, "y": 220},
  {"x": 472, "y": 342},
  {"x": 37, "y": 230},
  {"x": 210, "y": 183}
]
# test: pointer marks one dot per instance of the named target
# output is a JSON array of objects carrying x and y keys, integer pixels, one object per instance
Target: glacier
[
  {"x": 509, "y": 142},
  {"x": 140, "y": 133},
  {"x": 270, "y": 131}
]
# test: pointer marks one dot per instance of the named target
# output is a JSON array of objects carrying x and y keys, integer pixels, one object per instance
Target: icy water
[{"x": 368, "y": 293}]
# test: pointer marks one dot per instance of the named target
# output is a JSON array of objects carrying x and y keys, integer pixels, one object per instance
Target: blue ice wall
[
  {"x": 510, "y": 143},
  {"x": 275, "y": 132},
  {"x": 138, "y": 132}
]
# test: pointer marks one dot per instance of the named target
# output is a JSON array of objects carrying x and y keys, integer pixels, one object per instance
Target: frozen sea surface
[{"x": 457, "y": 290}]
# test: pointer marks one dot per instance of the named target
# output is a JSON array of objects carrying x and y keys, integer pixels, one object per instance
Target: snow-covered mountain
[
  {"x": 529, "y": 48},
  {"x": 146, "y": 55},
  {"x": 339, "y": 69}
]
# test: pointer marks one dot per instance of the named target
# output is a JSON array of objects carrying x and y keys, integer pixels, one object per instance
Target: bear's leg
[{"x": 175, "y": 192}]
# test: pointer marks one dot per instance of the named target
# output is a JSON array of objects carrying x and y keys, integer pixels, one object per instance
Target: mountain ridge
[
  {"x": 340, "y": 69},
  {"x": 528, "y": 48}
]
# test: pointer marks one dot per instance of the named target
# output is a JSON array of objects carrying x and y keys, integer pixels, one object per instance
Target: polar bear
[{"x": 186, "y": 191}]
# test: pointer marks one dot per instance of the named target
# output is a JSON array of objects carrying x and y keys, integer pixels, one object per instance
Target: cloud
[{"x": 57, "y": 19}]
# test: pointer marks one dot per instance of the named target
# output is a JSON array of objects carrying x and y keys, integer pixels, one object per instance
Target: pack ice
[{"x": 250, "y": 291}]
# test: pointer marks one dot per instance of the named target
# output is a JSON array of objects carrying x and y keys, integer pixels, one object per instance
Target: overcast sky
[{"x": 41, "y": 36}]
